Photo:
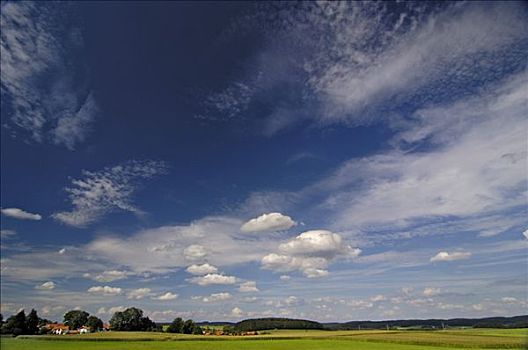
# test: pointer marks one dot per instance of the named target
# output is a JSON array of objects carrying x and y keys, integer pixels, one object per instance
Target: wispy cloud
[
  {"x": 446, "y": 256},
  {"x": 20, "y": 214},
  {"x": 35, "y": 43},
  {"x": 50, "y": 285},
  {"x": 107, "y": 190},
  {"x": 354, "y": 62},
  {"x": 215, "y": 297},
  {"x": 166, "y": 296}
]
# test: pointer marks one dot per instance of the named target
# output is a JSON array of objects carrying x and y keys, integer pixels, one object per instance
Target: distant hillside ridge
[
  {"x": 487, "y": 322},
  {"x": 258, "y": 324}
]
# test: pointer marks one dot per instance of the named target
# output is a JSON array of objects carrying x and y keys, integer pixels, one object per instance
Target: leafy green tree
[
  {"x": 131, "y": 320},
  {"x": 188, "y": 327},
  {"x": 15, "y": 324},
  {"x": 94, "y": 323},
  {"x": 176, "y": 326},
  {"x": 75, "y": 318},
  {"x": 197, "y": 330},
  {"x": 32, "y": 322}
]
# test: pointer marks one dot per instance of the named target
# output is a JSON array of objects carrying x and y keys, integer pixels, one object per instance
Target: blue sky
[{"x": 218, "y": 161}]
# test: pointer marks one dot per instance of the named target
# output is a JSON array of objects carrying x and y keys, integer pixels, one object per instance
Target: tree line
[
  {"x": 258, "y": 324},
  {"x": 131, "y": 319}
]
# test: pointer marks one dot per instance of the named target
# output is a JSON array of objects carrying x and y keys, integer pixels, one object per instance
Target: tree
[
  {"x": 94, "y": 323},
  {"x": 75, "y": 318},
  {"x": 188, "y": 327},
  {"x": 176, "y": 326},
  {"x": 197, "y": 330},
  {"x": 20, "y": 323},
  {"x": 32, "y": 322},
  {"x": 15, "y": 324},
  {"x": 131, "y": 320}
]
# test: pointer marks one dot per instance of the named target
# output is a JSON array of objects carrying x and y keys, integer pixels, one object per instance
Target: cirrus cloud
[{"x": 446, "y": 256}]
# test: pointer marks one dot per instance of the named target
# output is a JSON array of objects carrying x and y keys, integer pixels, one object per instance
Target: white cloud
[
  {"x": 139, "y": 293},
  {"x": 237, "y": 312},
  {"x": 378, "y": 297},
  {"x": 430, "y": 291},
  {"x": 105, "y": 290},
  {"x": 310, "y": 252},
  {"x": 318, "y": 243},
  {"x": 247, "y": 287},
  {"x": 285, "y": 277},
  {"x": 509, "y": 300},
  {"x": 215, "y": 297},
  {"x": 110, "y": 311},
  {"x": 475, "y": 170},
  {"x": 6, "y": 234},
  {"x": 50, "y": 285},
  {"x": 194, "y": 252},
  {"x": 213, "y": 278},
  {"x": 36, "y": 40},
  {"x": 477, "y": 307},
  {"x": 107, "y": 276},
  {"x": 166, "y": 296},
  {"x": 446, "y": 256},
  {"x": 105, "y": 191},
  {"x": 268, "y": 222},
  {"x": 17, "y": 213},
  {"x": 525, "y": 234},
  {"x": 203, "y": 269}
]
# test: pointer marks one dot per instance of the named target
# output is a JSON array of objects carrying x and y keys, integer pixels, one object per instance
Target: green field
[{"x": 278, "y": 340}]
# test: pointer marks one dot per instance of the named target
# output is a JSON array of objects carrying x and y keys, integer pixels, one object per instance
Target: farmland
[{"x": 287, "y": 339}]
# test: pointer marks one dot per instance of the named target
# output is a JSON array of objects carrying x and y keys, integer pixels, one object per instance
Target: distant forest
[
  {"x": 488, "y": 322},
  {"x": 258, "y": 324},
  {"x": 288, "y": 323}
]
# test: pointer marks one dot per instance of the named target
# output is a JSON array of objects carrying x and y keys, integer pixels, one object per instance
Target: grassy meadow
[{"x": 286, "y": 339}]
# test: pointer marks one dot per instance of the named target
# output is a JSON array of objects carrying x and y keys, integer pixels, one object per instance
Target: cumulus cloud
[
  {"x": 247, "y": 287},
  {"x": 430, "y": 291},
  {"x": 36, "y": 40},
  {"x": 105, "y": 290},
  {"x": 237, "y": 312},
  {"x": 166, "y": 296},
  {"x": 285, "y": 277},
  {"x": 21, "y": 214},
  {"x": 106, "y": 276},
  {"x": 268, "y": 222},
  {"x": 525, "y": 234},
  {"x": 213, "y": 278},
  {"x": 139, "y": 293},
  {"x": 107, "y": 190},
  {"x": 446, "y": 256},
  {"x": 194, "y": 252},
  {"x": 215, "y": 297},
  {"x": 318, "y": 243},
  {"x": 203, "y": 269},
  {"x": 378, "y": 297},
  {"x": 310, "y": 252},
  {"x": 50, "y": 285}
]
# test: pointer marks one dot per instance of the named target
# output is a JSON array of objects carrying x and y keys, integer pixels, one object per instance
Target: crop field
[{"x": 279, "y": 340}]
